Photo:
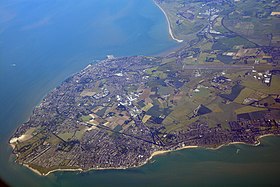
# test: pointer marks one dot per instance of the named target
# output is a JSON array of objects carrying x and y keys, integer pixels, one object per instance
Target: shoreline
[
  {"x": 169, "y": 25},
  {"x": 156, "y": 153},
  {"x": 234, "y": 143},
  {"x": 32, "y": 169}
]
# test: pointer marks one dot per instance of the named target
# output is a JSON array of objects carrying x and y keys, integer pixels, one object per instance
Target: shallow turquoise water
[{"x": 43, "y": 42}]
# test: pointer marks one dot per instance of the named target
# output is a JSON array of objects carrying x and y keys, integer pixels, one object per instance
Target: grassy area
[
  {"x": 248, "y": 109},
  {"x": 147, "y": 107},
  {"x": 87, "y": 93},
  {"x": 86, "y": 118},
  {"x": 80, "y": 133},
  {"x": 53, "y": 140},
  {"x": 235, "y": 91},
  {"x": 156, "y": 73},
  {"x": 245, "y": 93},
  {"x": 168, "y": 60},
  {"x": 66, "y": 136},
  {"x": 218, "y": 25},
  {"x": 180, "y": 113},
  {"x": 252, "y": 20},
  {"x": 227, "y": 114},
  {"x": 146, "y": 118},
  {"x": 172, "y": 125},
  {"x": 229, "y": 43},
  {"x": 165, "y": 90},
  {"x": 255, "y": 84},
  {"x": 215, "y": 108},
  {"x": 203, "y": 96},
  {"x": 205, "y": 46},
  {"x": 150, "y": 70}
]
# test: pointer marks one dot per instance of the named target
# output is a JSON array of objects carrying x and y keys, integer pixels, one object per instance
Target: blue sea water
[{"x": 42, "y": 42}]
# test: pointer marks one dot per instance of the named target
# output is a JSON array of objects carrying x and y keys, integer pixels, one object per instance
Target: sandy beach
[
  {"x": 167, "y": 151},
  {"x": 34, "y": 170},
  {"x": 169, "y": 25},
  {"x": 232, "y": 143}
]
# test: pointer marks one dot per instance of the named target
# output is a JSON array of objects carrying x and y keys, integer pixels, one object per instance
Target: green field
[
  {"x": 257, "y": 85},
  {"x": 252, "y": 19},
  {"x": 248, "y": 109}
]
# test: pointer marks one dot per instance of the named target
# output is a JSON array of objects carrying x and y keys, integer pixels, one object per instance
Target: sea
[{"x": 42, "y": 42}]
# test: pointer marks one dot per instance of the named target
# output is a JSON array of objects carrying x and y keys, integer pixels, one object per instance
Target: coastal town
[{"x": 221, "y": 86}]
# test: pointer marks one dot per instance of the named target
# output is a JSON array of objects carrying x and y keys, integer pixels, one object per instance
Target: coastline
[
  {"x": 43, "y": 174},
  {"x": 169, "y": 25},
  {"x": 156, "y": 153},
  {"x": 234, "y": 143},
  {"x": 34, "y": 170}
]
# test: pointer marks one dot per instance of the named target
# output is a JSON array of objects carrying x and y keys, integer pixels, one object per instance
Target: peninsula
[{"x": 221, "y": 87}]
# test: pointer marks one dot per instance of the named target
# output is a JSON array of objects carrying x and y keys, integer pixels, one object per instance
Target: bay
[{"x": 42, "y": 42}]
